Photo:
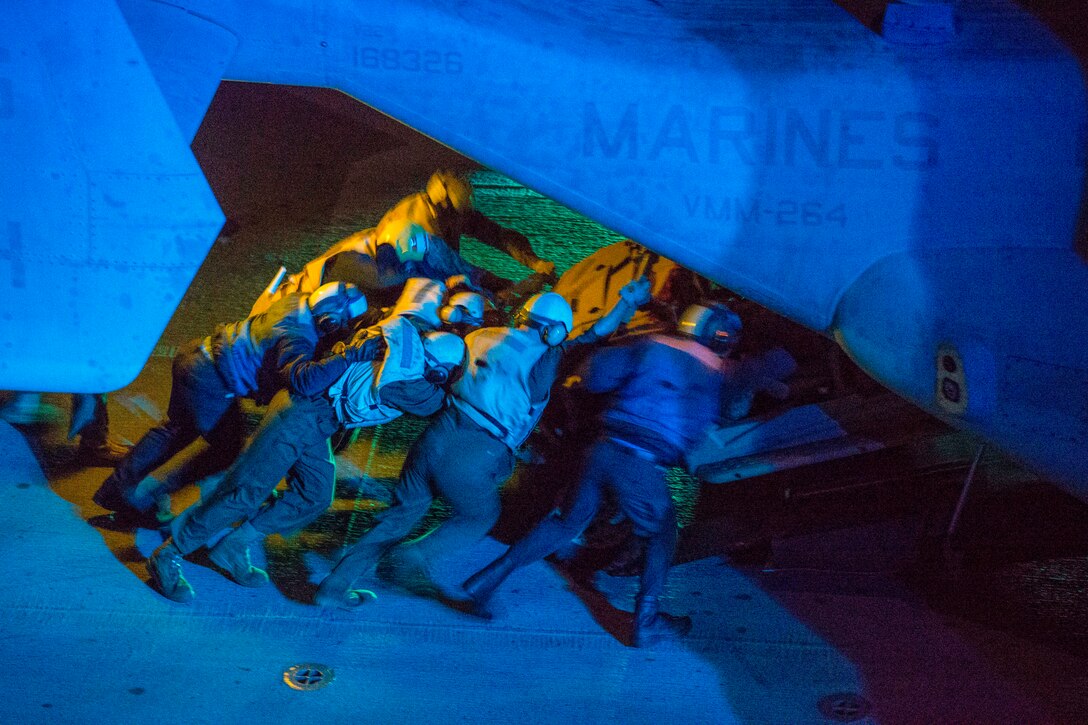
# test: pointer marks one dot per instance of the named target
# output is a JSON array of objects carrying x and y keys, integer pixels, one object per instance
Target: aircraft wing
[{"x": 105, "y": 216}]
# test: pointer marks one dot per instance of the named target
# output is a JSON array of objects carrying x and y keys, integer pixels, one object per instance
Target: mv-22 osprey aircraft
[{"x": 912, "y": 187}]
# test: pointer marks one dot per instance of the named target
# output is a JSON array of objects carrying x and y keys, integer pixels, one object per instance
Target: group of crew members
[{"x": 389, "y": 322}]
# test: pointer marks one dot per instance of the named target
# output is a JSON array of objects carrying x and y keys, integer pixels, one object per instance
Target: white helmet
[
  {"x": 466, "y": 308},
  {"x": 715, "y": 326},
  {"x": 410, "y": 240},
  {"x": 550, "y": 313},
  {"x": 444, "y": 355},
  {"x": 447, "y": 189},
  {"x": 334, "y": 304}
]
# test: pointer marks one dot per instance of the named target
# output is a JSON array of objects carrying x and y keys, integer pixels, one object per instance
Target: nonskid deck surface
[{"x": 86, "y": 637}]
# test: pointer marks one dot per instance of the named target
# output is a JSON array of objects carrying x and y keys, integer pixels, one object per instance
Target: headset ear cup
[
  {"x": 552, "y": 335},
  {"x": 436, "y": 376}
]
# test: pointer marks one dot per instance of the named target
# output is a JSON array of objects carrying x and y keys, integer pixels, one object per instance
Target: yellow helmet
[
  {"x": 409, "y": 239},
  {"x": 446, "y": 189}
]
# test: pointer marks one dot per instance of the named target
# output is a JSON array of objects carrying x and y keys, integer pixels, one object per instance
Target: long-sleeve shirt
[
  {"x": 450, "y": 225},
  {"x": 259, "y": 356},
  {"x": 665, "y": 392},
  {"x": 415, "y": 397},
  {"x": 382, "y": 283}
]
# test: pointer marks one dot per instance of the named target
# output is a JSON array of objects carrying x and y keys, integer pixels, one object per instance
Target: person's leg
[
  {"x": 311, "y": 485},
  {"x": 226, "y": 438},
  {"x": 577, "y": 513},
  {"x": 411, "y": 499},
  {"x": 196, "y": 395},
  {"x": 546, "y": 537},
  {"x": 469, "y": 484},
  {"x": 645, "y": 499},
  {"x": 285, "y": 432},
  {"x": 24, "y": 408},
  {"x": 225, "y": 442},
  {"x": 91, "y": 422}
]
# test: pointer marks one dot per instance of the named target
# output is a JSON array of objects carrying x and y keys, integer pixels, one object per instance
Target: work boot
[
  {"x": 652, "y": 626},
  {"x": 231, "y": 554},
  {"x": 111, "y": 496},
  {"x": 107, "y": 453},
  {"x": 164, "y": 566},
  {"x": 481, "y": 586},
  {"x": 28, "y": 409},
  {"x": 130, "y": 519},
  {"x": 350, "y": 599}
]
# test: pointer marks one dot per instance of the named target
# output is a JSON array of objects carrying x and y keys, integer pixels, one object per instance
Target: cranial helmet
[
  {"x": 408, "y": 239},
  {"x": 715, "y": 326},
  {"x": 443, "y": 357},
  {"x": 464, "y": 308},
  {"x": 334, "y": 304},
  {"x": 550, "y": 313},
  {"x": 446, "y": 189}
]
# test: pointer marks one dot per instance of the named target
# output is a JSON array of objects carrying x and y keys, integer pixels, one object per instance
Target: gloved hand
[
  {"x": 365, "y": 350},
  {"x": 770, "y": 369},
  {"x": 636, "y": 292},
  {"x": 544, "y": 267},
  {"x": 363, "y": 333},
  {"x": 460, "y": 283}
]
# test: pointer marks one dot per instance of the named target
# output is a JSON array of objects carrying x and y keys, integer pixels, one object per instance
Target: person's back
[
  {"x": 365, "y": 259},
  {"x": 495, "y": 390},
  {"x": 379, "y": 261},
  {"x": 446, "y": 210},
  {"x": 243, "y": 351},
  {"x": 667, "y": 399},
  {"x": 417, "y": 209}
]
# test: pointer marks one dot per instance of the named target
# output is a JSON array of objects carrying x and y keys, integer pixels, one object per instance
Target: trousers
[
  {"x": 643, "y": 496},
  {"x": 200, "y": 405},
  {"x": 291, "y": 442},
  {"x": 453, "y": 458}
]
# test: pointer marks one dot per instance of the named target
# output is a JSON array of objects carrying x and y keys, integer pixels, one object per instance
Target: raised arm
[{"x": 632, "y": 295}]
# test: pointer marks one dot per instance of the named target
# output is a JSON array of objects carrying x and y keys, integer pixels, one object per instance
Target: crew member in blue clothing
[
  {"x": 254, "y": 358},
  {"x": 664, "y": 391}
]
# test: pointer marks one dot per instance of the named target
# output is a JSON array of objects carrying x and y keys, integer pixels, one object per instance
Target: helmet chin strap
[{"x": 435, "y": 373}]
